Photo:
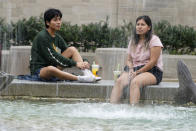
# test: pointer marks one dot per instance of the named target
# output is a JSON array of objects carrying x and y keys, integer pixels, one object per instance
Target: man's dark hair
[{"x": 51, "y": 13}]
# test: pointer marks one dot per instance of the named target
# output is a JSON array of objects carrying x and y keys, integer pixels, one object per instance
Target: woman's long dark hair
[{"x": 148, "y": 35}]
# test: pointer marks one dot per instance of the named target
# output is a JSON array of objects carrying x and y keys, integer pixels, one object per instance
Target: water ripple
[{"x": 26, "y": 115}]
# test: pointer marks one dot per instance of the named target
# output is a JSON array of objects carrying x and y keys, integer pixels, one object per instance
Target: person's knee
[
  {"x": 121, "y": 82},
  {"x": 72, "y": 49},
  {"x": 47, "y": 72},
  {"x": 135, "y": 83},
  {"x": 51, "y": 69}
]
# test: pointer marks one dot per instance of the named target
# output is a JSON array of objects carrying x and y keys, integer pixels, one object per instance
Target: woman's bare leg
[
  {"x": 117, "y": 90},
  {"x": 138, "y": 82}
]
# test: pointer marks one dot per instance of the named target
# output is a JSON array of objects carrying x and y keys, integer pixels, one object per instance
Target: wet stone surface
[{"x": 101, "y": 90}]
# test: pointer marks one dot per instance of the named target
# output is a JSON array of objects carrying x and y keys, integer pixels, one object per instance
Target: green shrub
[
  {"x": 2, "y": 30},
  {"x": 177, "y": 39},
  {"x": 25, "y": 30},
  {"x": 5, "y": 34},
  {"x": 95, "y": 35},
  {"x": 85, "y": 37}
]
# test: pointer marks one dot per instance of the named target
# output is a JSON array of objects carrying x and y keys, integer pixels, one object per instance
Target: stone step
[
  {"x": 173, "y": 80},
  {"x": 165, "y": 91}
]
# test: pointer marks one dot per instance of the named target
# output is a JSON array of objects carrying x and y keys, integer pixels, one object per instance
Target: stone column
[
  {"x": 19, "y": 60},
  {"x": 108, "y": 59}
]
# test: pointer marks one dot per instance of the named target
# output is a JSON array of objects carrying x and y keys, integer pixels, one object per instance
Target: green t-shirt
[{"x": 46, "y": 51}]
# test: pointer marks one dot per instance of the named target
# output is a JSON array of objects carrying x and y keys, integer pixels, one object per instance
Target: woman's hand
[{"x": 132, "y": 74}]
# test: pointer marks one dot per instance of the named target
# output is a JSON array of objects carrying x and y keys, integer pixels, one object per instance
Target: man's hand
[{"x": 83, "y": 65}]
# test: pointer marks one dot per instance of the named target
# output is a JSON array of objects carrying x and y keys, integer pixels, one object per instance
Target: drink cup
[
  {"x": 95, "y": 69},
  {"x": 116, "y": 74}
]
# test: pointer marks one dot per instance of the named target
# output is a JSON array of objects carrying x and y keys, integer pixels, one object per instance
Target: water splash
[
  {"x": 94, "y": 116},
  {"x": 109, "y": 111}
]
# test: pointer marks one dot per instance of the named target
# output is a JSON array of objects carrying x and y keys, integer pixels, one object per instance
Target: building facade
[{"x": 86, "y": 11}]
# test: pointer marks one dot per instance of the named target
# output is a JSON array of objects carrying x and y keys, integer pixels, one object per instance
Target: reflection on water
[{"x": 26, "y": 115}]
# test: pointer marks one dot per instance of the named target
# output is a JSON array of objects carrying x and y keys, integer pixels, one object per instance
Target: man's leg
[
  {"x": 72, "y": 52},
  {"x": 50, "y": 71}
]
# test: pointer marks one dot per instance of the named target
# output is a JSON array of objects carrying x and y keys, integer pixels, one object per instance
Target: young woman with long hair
[{"x": 144, "y": 63}]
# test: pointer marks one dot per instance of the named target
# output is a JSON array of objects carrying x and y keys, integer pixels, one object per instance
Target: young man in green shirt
[{"x": 50, "y": 54}]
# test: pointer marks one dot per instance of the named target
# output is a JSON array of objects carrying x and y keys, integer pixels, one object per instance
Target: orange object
[{"x": 95, "y": 69}]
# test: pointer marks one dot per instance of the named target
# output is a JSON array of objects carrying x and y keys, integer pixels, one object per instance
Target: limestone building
[{"x": 86, "y": 11}]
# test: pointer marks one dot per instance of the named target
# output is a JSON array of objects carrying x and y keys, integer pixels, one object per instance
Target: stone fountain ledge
[
  {"x": 74, "y": 91},
  {"x": 16, "y": 61}
]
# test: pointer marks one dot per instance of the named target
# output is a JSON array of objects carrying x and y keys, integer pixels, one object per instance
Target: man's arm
[{"x": 52, "y": 56}]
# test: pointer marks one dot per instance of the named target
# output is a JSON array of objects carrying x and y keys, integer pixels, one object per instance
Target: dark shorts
[
  {"x": 155, "y": 71},
  {"x": 37, "y": 76}
]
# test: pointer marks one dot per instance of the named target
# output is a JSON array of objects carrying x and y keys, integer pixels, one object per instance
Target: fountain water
[
  {"x": 39, "y": 115},
  {"x": 28, "y": 115}
]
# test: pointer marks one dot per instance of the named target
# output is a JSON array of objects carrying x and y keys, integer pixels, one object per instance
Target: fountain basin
[
  {"x": 39, "y": 116},
  {"x": 73, "y": 90}
]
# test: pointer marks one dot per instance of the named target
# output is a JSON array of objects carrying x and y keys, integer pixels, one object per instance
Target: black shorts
[
  {"x": 36, "y": 76},
  {"x": 155, "y": 71}
]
